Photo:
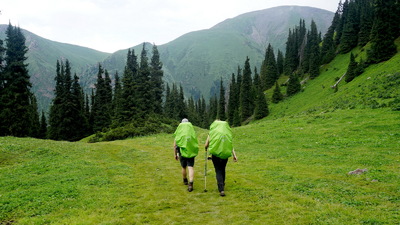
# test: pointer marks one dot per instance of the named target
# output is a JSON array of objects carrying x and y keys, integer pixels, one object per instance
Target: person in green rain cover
[
  {"x": 219, "y": 142},
  {"x": 186, "y": 148}
]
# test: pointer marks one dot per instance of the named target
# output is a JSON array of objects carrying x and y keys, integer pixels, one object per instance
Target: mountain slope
[
  {"x": 42, "y": 57},
  {"x": 197, "y": 60}
]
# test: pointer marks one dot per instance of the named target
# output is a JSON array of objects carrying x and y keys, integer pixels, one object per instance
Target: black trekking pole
[{"x": 205, "y": 172}]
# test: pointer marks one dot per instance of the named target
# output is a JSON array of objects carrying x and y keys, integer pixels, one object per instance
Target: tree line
[{"x": 141, "y": 93}]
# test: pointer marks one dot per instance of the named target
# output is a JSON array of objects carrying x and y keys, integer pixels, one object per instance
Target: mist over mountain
[{"x": 197, "y": 60}]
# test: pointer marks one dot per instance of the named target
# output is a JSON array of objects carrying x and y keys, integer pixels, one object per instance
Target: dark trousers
[{"x": 220, "y": 165}]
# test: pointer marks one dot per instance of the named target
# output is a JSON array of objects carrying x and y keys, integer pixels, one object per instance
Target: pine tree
[
  {"x": 232, "y": 101},
  {"x": 279, "y": 62},
  {"x": 129, "y": 104},
  {"x": 384, "y": 31},
  {"x": 181, "y": 106},
  {"x": 143, "y": 86},
  {"x": 245, "y": 92},
  {"x": 43, "y": 127},
  {"x": 277, "y": 96},
  {"x": 328, "y": 49},
  {"x": 221, "y": 106},
  {"x": 366, "y": 21},
  {"x": 261, "y": 109},
  {"x": 117, "y": 102},
  {"x": 314, "y": 53},
  {"x": 17, "y": 102},
  {"x": 352, "y": 69},
  {"x": 102, "y": 101},
  {"x": 351, "y": 27},
  {"x": 157, "y": 84},
  {"x": 294, "y": 85},
  {"x": 269, "y": 71}
]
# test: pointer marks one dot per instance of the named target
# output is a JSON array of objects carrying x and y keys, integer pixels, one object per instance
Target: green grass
[{"x": 291, "y": 170}]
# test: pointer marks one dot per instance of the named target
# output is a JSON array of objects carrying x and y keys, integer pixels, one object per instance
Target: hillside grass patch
[{"x": 291, "y": 170}]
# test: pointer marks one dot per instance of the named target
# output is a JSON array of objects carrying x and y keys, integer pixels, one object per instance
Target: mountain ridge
[{"x": 197, "y": 60}]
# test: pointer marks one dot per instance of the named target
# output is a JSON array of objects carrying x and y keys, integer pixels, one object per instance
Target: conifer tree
[
  {"x": 213, "y": 107},
  {"x": 43, "y": 127},
  {"x": 157, "y": 84},
  {"x": 245, "y": 92},
  {"x": 351, "y": 27},
  {"x": 277, "y": 96},
  {"x": 261, "y": 110},
  {"x": 384, "y": 31},
  {"x": 221, "y": 105},
  {"x": 143, "y": 86},
  {"x": 129, "y": 104},
  {"x": 117, "y": 102},
  {"x": 352, "y": 69},
  {"x": 18, "y": 110},
  {"x": 181, "y": 106},
  {"x": 294, "y": 85},
  {"x": 169, "y": 103},
  {"x": 279, "y": 62},
  {"x": 314, "y": 51},
  {"x": 269, "y": 70},
  {"x": 101, "y": 110},
  {"x": 366, "y": 21},
  {"x": 328, "y": 49},
  {"x": 66, "y": 118},
  {"x": 232, "y": 101}
]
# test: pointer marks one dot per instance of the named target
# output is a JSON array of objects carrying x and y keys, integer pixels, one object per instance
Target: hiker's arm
[
  {"x": 207, "y": 142},
  {"x": 175, "y": 152},
  {"x": 234, "y": 155}
]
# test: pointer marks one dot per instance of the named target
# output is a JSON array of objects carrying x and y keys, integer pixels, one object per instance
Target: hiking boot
[
  {"x": 185, "y": 181},
  {"x": 222, "y": 193},
  {"x": 190, "y": 187}
]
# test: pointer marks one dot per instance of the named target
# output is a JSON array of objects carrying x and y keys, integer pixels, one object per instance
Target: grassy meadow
[
  {"x": 293, "y": 166},
  {"x": 291, "y": 170}
]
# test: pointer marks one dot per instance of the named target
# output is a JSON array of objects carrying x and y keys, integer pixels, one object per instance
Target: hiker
[
  {"x": 186, "y": 148},
  {"x": 219, "y": 141}
]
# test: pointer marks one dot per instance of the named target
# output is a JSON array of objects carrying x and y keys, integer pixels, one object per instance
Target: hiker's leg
[
  {"x": 191, "y": 173},
  {"x": 183, "y": 161},
  {"x": 218, "y": 166}
]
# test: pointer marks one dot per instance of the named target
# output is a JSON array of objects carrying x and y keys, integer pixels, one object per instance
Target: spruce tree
[
  {"x": 269, "y": 72},
  {"x": 261, "y": 110},
  {"x": 384, "y": 31},
  {"x": 129, "y": 104},
  {"x": 18, "y": 109},
  {"x": 43, "y": 127},
  {"x": 314, "y": 53},
  {"x": 118, "y": 100},
  {"x": 294, "y": 85},
  {"x": 101, "y": 110},
  {"x": 232, "y": 101},
  {"x": 245, "y": 92},
  {"x": 143, "y": 86},
  {"x": 157, "y": 84},
  {"x": 328, "y": 49},
  {"x": 351, "y": 28},
  {"x": 221, "y": 105},
  {"x": 279, "y": 62},
  {"x": 277, "y": 96},
  {"x": 366, "y": 21},
  {"x": 352, "y": 69}
]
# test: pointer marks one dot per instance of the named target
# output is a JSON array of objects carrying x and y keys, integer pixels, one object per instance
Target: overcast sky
[{"x": 111, "y": 25}]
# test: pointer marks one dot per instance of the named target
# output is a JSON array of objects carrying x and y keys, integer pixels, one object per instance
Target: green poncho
[
  {"x": 220, "y": 144},
  {"x": 186, "y": 140}
]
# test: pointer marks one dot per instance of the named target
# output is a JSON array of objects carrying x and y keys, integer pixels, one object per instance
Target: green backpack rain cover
[
  {"x": 220, "y": 139},
  {"x": 186, "y": 140}
]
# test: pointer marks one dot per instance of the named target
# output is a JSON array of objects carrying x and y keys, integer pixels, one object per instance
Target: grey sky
[{"x": 110, "y": 25}]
